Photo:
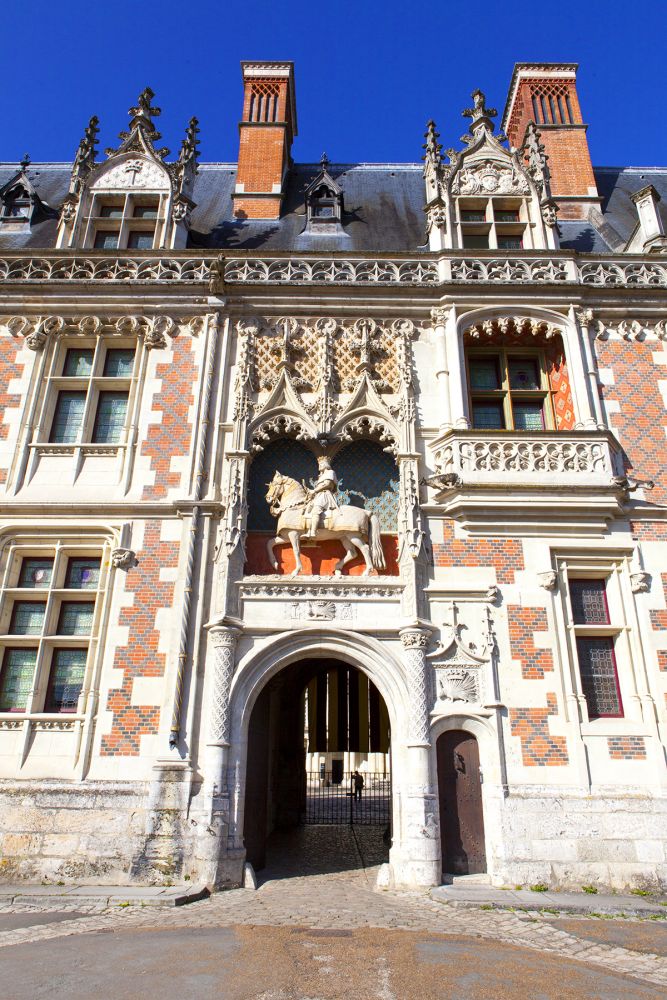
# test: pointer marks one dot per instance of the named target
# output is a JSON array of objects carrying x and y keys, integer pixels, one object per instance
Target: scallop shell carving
[{"x": 461, "y": 686}]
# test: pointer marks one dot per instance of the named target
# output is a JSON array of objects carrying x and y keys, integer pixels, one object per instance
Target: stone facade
[{"x": 491, "y": 393}]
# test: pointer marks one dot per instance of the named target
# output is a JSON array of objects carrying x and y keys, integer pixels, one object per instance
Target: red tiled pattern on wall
[
  {"x": 172, "y": 436},
  {"x": 9, "y": 369},
  {"x": 538, "y": 747},
  {"x": 662, "y": 659},
  {"x": 522, "y": 623},
  {"x": 504, "y": 554},
  {"x": 559, "y": 381},
  {"x": 649, "y": 531},
  {"x": 659, "y": 615},
  {"x": 140, "y": 658},
  {"x": 626, "y": 747},
  {"x": 640, "y": 424}
]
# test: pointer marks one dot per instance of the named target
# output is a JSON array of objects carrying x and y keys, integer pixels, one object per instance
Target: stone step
[{"x": 103, "y": 895}]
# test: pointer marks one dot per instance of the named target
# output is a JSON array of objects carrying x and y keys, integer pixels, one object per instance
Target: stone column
[
  {"x": 457, "y": 377},
  {"x": 584, "y": 319},
  {"x": 575, "y": 347},
  {"x": 224, "y": 639},
  {"x": 439, "y": 320},
  {"x": 422, "y": 845}
]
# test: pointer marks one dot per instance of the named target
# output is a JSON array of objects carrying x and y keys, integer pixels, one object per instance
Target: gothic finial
[
  {"x": 533, "y": 151},
  {"x": 189, "y": 151},
  {"x": 324, "y": 161},
  {"x": 433, "y": 154},
  {"x": 25, "y": 162},
  {"x": 142, "y": 134},
  {"x": 479, "y": 114}
]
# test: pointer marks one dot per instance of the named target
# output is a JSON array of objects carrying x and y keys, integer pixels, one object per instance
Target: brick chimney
[
  {"x": 265, "y": 139},
  {"x": 546, "y": 93}
]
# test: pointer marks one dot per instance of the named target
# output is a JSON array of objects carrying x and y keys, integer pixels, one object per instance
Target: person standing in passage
[{"x": 358, "y": 783}]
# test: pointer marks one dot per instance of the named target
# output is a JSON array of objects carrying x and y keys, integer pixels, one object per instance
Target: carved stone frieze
[
  {"x": 512, "y": 326},
  {"x": 321, "y": 588},
  {"x": 490, "y": 177},
  {"x": 628, "y": 329},
  {"x": 322, "y": 609}
]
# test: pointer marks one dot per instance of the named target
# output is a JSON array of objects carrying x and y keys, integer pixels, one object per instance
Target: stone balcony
[{"x": 557, "y": 481}]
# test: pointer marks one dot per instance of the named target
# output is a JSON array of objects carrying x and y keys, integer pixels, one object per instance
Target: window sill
[
  {"x": 58, "y": 721},
  {"x": 88, "y": 448}
]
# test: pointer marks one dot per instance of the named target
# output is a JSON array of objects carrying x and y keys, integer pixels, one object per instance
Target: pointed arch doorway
[{"x": 313, "y": 725}]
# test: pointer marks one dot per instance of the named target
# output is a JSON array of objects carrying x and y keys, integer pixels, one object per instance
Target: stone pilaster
[{"x": 421, "y": 863}]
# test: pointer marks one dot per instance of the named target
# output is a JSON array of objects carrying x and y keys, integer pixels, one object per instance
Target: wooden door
[{"x": 461, "y": 815}]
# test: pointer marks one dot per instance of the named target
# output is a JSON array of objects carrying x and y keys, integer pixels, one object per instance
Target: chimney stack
[
  {"x": 266, "y": 132},
  {"x": 546, "y": 93}
]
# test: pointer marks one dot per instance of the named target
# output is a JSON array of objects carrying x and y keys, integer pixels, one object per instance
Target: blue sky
[{"x": 368, "y": 73}]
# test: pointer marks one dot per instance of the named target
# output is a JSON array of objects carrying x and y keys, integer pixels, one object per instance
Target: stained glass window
[
  {"x": 16, "y": 677},
  {"x": 484, "y": 373},
  {"x": 599, "y": 680},
  {"x": 66, "y": 679},
  {"x": 119, "y": 362},
  {"x": 82, "y": 574},
  {"x": 27, "y": 618},
  {"x": 528, "y": 417},
  {"x": 78, "y": 361},
  {"x": 36, "y": 573},
  {"x": 68, "y": 416},
  {"x": 589, "y": 602},
  {"x": 76, "y": 618},
  {"x": 110, "y": 417},
  {"x": 488, "y": 416}
]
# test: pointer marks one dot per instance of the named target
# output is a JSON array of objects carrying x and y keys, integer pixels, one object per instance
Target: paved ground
[{"x": 314, "y": 936}]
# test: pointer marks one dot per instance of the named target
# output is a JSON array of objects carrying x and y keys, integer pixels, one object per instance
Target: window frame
[
  {"x": 624, "y": 628},
  {"x": 505, "y": 394},
  {"x": 492, "y": 228},
  {"x": 55, "y": 595},
  {"x": 127, "y": 222},
  {"x": 93, "y": 384}
]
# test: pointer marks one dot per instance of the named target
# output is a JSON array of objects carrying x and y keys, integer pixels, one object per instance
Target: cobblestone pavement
[{"x": 346, "y": 900}]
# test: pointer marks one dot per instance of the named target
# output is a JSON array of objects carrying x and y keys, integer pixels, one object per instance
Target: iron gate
[{"x": 331, "y": 799}]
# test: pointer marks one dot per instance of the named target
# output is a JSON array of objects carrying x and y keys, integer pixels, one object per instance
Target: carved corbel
[
  {"x": 155, "y": 331},
  {"x": 640, "y": 582},
  {"x": 548, "y": 580},
  {"x": 124, "y": 559},
  {"x": 89, "y": 326},
  {"x": 42, "y": 330}
]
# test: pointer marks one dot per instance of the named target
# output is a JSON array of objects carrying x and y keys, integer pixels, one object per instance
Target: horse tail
[{"x": 375, "y": 542}]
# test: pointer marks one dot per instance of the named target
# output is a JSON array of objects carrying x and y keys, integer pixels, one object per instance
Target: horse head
[{"x": 275, "y": 489}]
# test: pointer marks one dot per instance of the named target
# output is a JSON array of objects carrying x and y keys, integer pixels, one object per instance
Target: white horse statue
[{"x": 354, "y": 527}]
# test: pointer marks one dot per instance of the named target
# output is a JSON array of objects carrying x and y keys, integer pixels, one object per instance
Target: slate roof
[{"x": 383, "y": 210}]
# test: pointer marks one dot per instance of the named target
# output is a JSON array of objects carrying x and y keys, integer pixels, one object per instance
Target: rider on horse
[{"x": 321, "y": 496}]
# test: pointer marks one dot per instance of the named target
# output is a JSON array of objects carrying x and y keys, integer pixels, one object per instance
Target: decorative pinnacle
[
  {"x": 189, "y": 144},
  {"x": 432, "y": 146},
  {"x": 324, "y": 161},
  {"x": 25, "y": 162},
  {"x": 479, "y": 114},
  {"x": 143, "y": 108}
]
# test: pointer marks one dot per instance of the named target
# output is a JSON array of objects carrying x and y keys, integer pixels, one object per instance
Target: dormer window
[
  {"x": 17, "y": 205},
  {"x": 493, "y": 223},
  {"x": 131, "y": 221},
  {"x": 324, "y": 203}
]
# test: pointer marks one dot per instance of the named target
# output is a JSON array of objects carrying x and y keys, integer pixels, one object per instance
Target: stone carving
[
  {"x": 548, "y": 580},
  {"x": 514, "y": 455},
  {"x": 628, "y": 329},
  {"x": 357, "y": 529},
  {"x": 489, "y": 177},
  {"x": 640, "y": 582},
  {"x": 330, "y": 271},
  {"x": 137, "y": 173},
  {"x": 516, "y": 326},
  {"x": 155, "y": 331},
  {"x": 415, "y": 641},
  {"x": 319, "y": 587},
  {"x": 457, "y": 684},
  {"x": 208, "y": 271},
  {"x": 322, "y": 609},
  {"x": 42, "y": 329},
  {"x": 124, "y": 559},
  {"x": 224, "y": 646},
  {"x": 510, "y": 270}
]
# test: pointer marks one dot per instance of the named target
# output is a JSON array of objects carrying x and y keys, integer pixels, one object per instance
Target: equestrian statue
[{"x": 313, "y": 514}]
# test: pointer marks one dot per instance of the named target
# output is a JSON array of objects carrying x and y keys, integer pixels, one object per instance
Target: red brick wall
[
  {"x": 538, "y": 747},
  {"x": 9, "y": 369},
  {"x": 171, "y": 437},
  {"x": 140, "y": 658},
  {"x": 522, "y": 623},
  {"x": 641, "y": 422},
  {"x": 626, "y": 747},
  {"x": 505, "y": 555}
]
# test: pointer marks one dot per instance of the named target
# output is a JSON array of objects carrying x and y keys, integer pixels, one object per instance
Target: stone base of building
[
  {"x": 114, "y": 833},
  {"x": 567, "y": 839}
]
